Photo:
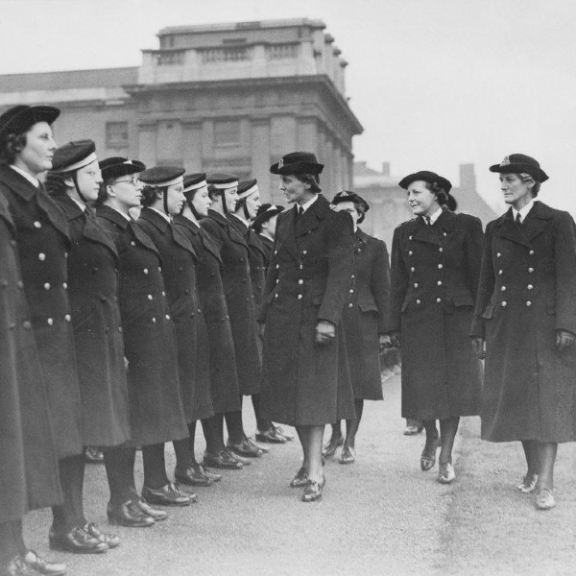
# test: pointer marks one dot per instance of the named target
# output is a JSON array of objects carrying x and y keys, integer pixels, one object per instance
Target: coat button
[
  {"x": 409, "y": 237},
  {"x": 299, "y": 296},
  {"x": 20, "y": 284},
  {"x": 353, "y": 276},
  {"x": 300, "y": 281},
  {"x": 439, "y": 282},
  {"x": 504, "y": 303},
  {"x": 133, "y": 243},
  {"x": 351, "y": 291},
  {"x": 500, "y": 272},
  {"x": 440, "y": 266},
  {"x": 498, "y": 255},
  {"x": 102, "y": 299},
  {"x": 438, "y": 300},
  {"x": 47, "y": 286},
  {"x": 350, "y": 305},
  {"x": 50, "y": 321},
  {"x": 241, "y": 259},
  {"x": 304, "y": 251},
  {"x": 277, "y": 266},
  {"x": 301, "y": 267},
  {"x": 275, "y": 295},
  {"x": 120, "y": 329},
  {"x": 416, "y": 284},
  {"x": 12, "y": 243},
  {"x": 67, "y": 317},
  {"x": 163, "y": 293},
  {"x": 528, "y": 303},
  {"x": 150, "y": 297},
  {"x": 530, "y": 287},
  {"x": 66, "y": 255},
  {"x": 95, "y": 269},
  {"x": 277, "y": 280},
  {"x": 154, "y": 319},
  {"x": 445, "y": 234},
  {"x": 37, "y": 224},
  {"x": 41, "y": 256},
  {"x": 503, "y": 288},
  {"x": 530, "y": 270},
  {"x": 412, "y": 269},
  {"x": 167, "y": 316},
  {"x": 145, "y": 270},
  {"x": 418, "y": 302},
  {"x": 107, "y": 330},
  {"x": 27, "y": 324},
  {"x": 440, "y": 249},
  {"x": 410, "y": 253},
  {"x": 65, "y": 286},
  {"x": 531, "y": 252},
  {"x": 186, "y": 292},
  {"x": 159, "y": 268}
]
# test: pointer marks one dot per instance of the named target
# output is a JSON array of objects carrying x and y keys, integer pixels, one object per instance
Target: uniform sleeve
[
  {"x": 399, "y": 285},
  {"x": 485, "y": 286},
  {"x": 381, "y": 285},
  {"x": 270, "y": 282},
  {"x": 473, "y": 252},
  {"x": 565, "y": 269},
  {"x": 340, "y": 239}
]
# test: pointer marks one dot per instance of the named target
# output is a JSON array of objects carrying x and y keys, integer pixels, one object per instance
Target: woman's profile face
[
  {"x": 422, "y": 202},
  {"x": 515, "y": 190},
  {"x": 89, "y": 179},
  {"x": 128, "y": 191},
  {"x": 175, "y": 198},
  {"x": 293, "y": 189},
  {"x": 253, "y": 203},
  {"x": 36, "y": 156},
  {"x": 202, "y": 201}
]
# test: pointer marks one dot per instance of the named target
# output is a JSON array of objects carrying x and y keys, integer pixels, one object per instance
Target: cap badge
[
  {"x": 506, "y": 161},
  {"x": 281, "y": 163}
]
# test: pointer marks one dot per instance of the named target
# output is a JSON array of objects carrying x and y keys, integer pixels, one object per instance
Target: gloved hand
[
  {"x": 325, "y": 332},
  {"x": 479, "y": 347}
]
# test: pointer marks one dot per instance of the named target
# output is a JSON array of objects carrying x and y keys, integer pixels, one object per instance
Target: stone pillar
[
  {"x": 260, "y": 151},
  {"x": 192, "y": 146},
  {"x": 147, "y": 144}
]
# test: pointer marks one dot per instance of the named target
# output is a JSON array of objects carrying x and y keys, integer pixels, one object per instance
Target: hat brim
[
  {"x": 120, "y": 170},
  {"x": 514, "y": 168},
  {"x": 23, "y": 121},
  {"x": 442, "y": 182},
  {"x": 351, "y": 198},
  {"x": 268, "y": 215},
  {"x": 297, "y": 168}
]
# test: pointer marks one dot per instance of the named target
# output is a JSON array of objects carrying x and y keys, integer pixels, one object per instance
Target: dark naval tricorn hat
[
  {"x": 297, "y": 163},
  {"x": 117, "y": 166},
  {"x": 73, "y": 156},
  {"x": 247, "y": 187},
  {"x": 20, "y": 119},
  {"x": 519, "y": 163},
  {"x": 223, "y": 181},
  {"x": 265, "y": 212},
  {"x": 161, "y": 176},
  {"x": 426, "y": 176},
  {"x": 347, "y": 196},
  {"x": 193, "y": 182}
]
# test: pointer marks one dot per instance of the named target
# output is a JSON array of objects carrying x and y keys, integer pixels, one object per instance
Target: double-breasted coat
[
  {"x": 155, "y": 399},
  {"x": 224, "y": 380},
  {"x": 435, "y": 271},
  {"x": 239, "y": 298},
  {"x": 363, "y": 317},
  {"x": 179, "y": 272},
  {"x": 93, "y": 289},
  {"x": 268, "y": 246},
  {"x": 43, "y": 245},
  {"x": 527, "y": 292},
  {"x": 305, "y": 383},
  {"x": 29, "y": 471}
]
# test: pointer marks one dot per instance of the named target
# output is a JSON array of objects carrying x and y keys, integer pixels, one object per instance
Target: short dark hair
[
  {"x": 149, "y": 194},
  {"x": 10, "y": 146},
  {"x": 525, "y": 177},
  {"x": 440, "y": 193},
  {"x": 214, "y": 192},
  {"x": 56, "y": 182},
  {"x": 311, "y": 179}
]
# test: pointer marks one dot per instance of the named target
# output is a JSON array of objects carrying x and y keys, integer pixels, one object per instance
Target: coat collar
[
  {"x": 312, "y": 217},
  {"x": 534, "y": 224},
  {"x": 155, "y": 219},
  {"x": 209, "y": 243},
  {"x": 17, "y": 183},
  {"x": 113, "y": 215},
  {"x": 187, "y": 223}
]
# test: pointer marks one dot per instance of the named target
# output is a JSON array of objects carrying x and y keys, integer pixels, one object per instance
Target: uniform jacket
[
  {"x": 268, "y": 246},
  {"x": 225, "y": 393},
  {"x": 93, "y": 289},
  {"x": 527, "y": 292},
  {"x": 179, "y": 272},
  {"x": 234, "y": 253},
  {"x": 156, "y": 411},
  {"x": 364, "y": 313},
  {"x": 435, "y": 272},
  {"x": 305, "y": 383},
  {"x": 29, "y": 472},
  {"x": 43, "y": 244}
]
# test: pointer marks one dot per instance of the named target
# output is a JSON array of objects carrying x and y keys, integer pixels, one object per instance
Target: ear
[
  {"x": 110, "y": 191},
  {"x": 69, "y": 183}
]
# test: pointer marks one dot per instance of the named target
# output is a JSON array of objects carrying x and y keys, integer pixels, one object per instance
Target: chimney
[
  {"x": 467, "y": 178},
  {"x": 386, "y": 168}
]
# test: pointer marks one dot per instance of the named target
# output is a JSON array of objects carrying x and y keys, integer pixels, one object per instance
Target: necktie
[
  {"x": 518, "y": 218},
  {"x": 300, "y": 211},
  {"x": 428, "y": 220}
]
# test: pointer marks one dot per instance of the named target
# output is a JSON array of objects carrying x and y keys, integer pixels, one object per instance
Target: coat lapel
[
  {"x": 286, "y": 233},
  {"x": 507, "y": 228},
  {"x": 310, "y": 219},
  {"x": 421, "y": 232},
  {"x": 164, "y": 227},
  {"x": 536, "y": 220},
  {"x": 232, "y": 231}
]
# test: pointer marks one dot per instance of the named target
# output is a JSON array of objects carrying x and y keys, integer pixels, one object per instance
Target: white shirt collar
[
  {"x": 165, "y": 216},
  {"x": 523, "y": 211},
  {"x": 243, "y": 220},
  {"x": 80, "y": 205},
  {"x": 309, "y": 203},
  {"x": 435, "y": 216},
  {"x": 266, "y": 236},
  {"x": 191, "y": 217},
  {"x": 34, "y": 181}
]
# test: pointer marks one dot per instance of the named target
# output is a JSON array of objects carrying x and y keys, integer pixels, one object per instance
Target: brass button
[
  {"x": 503, "y": 288},
  {"x": 150, "y": 297},
  {"x": 37, "y": 224},
  {"x": 418, "y": 302},
  {"x": 300, "y": 281},
  {"x": 439, "y": 282},
  {"x": 41, "y": 256},
  {"x": 50, "y": 321},
  {"x": 67, "y": 317},
  {"x": 531, "y": 252},
  {"x": 438, "y": 300},
  {"x": 154, "y": 319},
  {"x": 145, "y": 270},
  {"x": 504, "y": 303},
  {"x": 47, "y": 286},
  {"x": 530, "y": 287},
  {"x": 27, "y": 324},
  {"x": 500, "y": 272},
  {"x": 299, "y": 296},
  {"x": 410, "y": 253},
  {"x": 416, "y": 284},
  {"x": 440, "y": 249},
  {"x": 530, "y": 270},
  {"x": 412, "y": 269},
  {"x": 440, "y": 266},
  {"x": 528, "y": 303}
]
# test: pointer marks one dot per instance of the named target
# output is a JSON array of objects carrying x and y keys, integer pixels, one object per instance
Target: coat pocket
[
  {"x": 368, "y": 307},
  {"x": 461, "y": 300},
  {"x": 489, "y": 312}
]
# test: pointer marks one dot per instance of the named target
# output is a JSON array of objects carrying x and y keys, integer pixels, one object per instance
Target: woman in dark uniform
[
  {"x": 240, "y": 301},
  {"x": 223, "y": 378},
  {"x": 435, "y": 271},
  {"x": 155, "y": 401},
  {"x": 43, "y": 244},
  {"x": 265, "y": 226},
  {"x": 526, "y": 317},
  {"x": 363, "y": 321},
  {"x": 162, "y": 199},
  {"x": 305, "y": 379}
]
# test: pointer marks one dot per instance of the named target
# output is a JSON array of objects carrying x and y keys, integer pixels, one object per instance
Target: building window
[
  {"x": 117, "y": 135},
  {"x": 226, "y": 133}
]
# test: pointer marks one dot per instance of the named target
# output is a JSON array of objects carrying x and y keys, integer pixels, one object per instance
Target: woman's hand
[
  {"x": 479, "y": 347},
  {"x": 384, "y": 342},
  {"x": 395, "y": 339},
  {"x": 564, "y": 339},
  {"x": 325, "y": 332}
]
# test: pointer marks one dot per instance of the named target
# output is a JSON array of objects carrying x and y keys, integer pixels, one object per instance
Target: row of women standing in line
[{"x": 122, "y": 345}]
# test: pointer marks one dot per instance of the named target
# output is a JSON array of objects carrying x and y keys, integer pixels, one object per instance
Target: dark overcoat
[
  {"x": 43, "y": 244},
  {"x": 435, "y": 271},
  {"x": 223, "y": 377},
  {"x": 93, "y": 289},
  {"x": 363, "y": 318},
  {"x": 239, "y": 298},
  {"x": 28, "y": 470},
  {"x": 179, "y": 272},
  {"x": 527, "y": 292},
  {"x": 268, "y": 246},
  {"x": 305, "y": 383},
  {"x": 155, "y": 399}
]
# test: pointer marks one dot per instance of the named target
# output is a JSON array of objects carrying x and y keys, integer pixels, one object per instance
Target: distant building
[
  {"x": 389, "y": 205},
  {"x": 222, "y": 97}
]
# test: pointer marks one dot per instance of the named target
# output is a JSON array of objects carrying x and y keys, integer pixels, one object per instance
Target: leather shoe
[
  {"x": 93, "y": 455},
  {"x": 348, "y": 455},
  {"x": 313, "y": 490},
  {"x": 446, "y": 474},
  {"x": 528, "y": 483},
  {"x": 222, "y": 460},
  {"x": 168, "y": 495},
  {"x": 282, "y": 432},
  {"x": 545, "y": 499},
  {"x": 111, "y": 540},
  {"x": 428, "y": 457},
  {"x": 246, "y": 449},
  {"x": 157, "y": 514},
  {"x": 192, "y": 477},
  {"x": 271, "y": 436},
  {"x": 42, "y": 566},
  {"x": 238, "y": 458},
  {"x": 16, "y": 567},
  {"x": 332, "y": 445},
  {"x": 301, "y": 478},
  {"x": 412, "y": 430},
  {"x": 128, "y": 514},
  {"x": 77, "y": 541},
  {"x": 212, "y": 475}
]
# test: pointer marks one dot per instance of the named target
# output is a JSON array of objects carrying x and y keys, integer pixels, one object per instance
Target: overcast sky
[{"x": 434, "y": 82}]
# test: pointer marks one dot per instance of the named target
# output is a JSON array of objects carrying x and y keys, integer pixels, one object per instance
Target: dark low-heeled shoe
[
  {"x": 270, "y": 436},
  {"x": 111, "y": 540},
  {"x": 348, "y": 455},
  {"x": 157, "y": 514},
  {"x": 42, "y": 566},
  {"x": 212, "y": 475},
  {"x": 412, "y": 430},
  {"x": 333, "y": 444},
  {"x": 282, "y": 432},
  {"x": 428, "y": 457},
  {"x": 168, "y": 495},
  {"x": 192, "y": 477},
  {"x": 128, "y": 514},
  {"x": 77, "y": 541},
  {"x": 222, "y": 461},
  {"x": 301, "y": 478},
  {"x": 313, "y": 490},
  {"x": 245, "y": 449}
]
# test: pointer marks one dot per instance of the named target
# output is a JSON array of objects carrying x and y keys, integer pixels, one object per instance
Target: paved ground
[{"x": 381, "y": 515}]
